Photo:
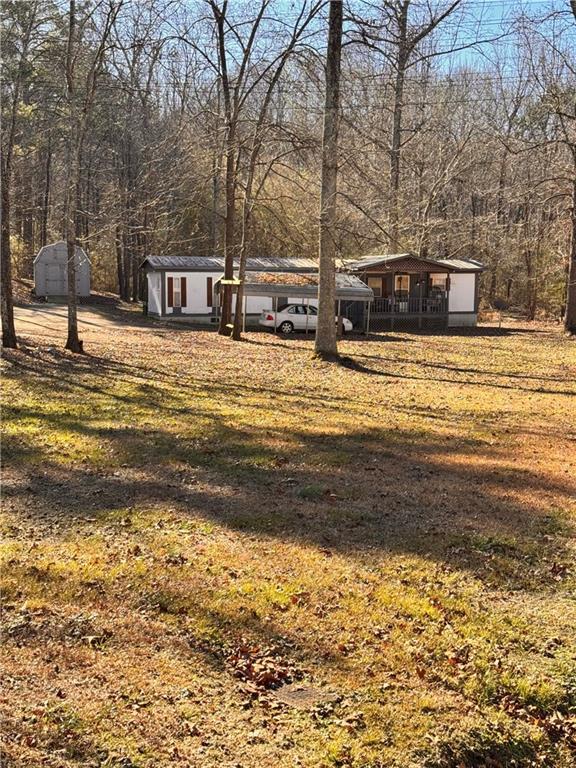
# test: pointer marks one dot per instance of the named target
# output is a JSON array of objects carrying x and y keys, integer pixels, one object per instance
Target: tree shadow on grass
[
  {"x": 364, "y": 491},
  {"x": 371, "y": 492},
  {"x": 356, "y": 365}
]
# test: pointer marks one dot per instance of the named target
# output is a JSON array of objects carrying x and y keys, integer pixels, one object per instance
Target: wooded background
[{"x": 457, "y": 137}]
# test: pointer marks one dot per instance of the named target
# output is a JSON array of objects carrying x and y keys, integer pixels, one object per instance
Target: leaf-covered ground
[{"x": 221, "y": 554}]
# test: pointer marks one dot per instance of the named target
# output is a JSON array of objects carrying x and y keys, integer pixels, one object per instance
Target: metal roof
[
  {"x": 372, "y": 261},
  {"x": 304, "y": 286},
  {"x": 216, "y": 263},
  {"x": 463, "y": 265}
]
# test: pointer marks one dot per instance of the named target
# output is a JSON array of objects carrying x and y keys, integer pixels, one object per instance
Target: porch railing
[{"x": 410, "y": 306}]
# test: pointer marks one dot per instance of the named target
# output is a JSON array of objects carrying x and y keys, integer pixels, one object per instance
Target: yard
[{"x": 221, "y": 554}]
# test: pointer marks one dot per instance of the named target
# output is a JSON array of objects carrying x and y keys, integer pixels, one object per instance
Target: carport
[{"x": 278, "y": 285}]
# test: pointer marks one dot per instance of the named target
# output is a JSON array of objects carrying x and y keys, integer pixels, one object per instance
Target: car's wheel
[{"x": 286, "y": 327}]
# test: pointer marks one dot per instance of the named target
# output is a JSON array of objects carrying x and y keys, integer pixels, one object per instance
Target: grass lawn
[{"x": 221, "y": 554}]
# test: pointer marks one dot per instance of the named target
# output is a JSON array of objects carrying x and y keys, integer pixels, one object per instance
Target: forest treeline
[{"x": 202, "y": 121}]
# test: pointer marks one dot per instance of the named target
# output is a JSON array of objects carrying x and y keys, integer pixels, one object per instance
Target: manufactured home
[
  {"x": 406, "y": 291},
  {"x": 187, "y": 287}
]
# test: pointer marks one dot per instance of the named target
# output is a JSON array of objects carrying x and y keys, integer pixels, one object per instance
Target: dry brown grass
[{"x": 189, "y": 523}]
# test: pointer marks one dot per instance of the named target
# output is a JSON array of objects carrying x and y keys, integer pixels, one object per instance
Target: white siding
[
  {"x": 462, "y": 292},
  {"x": 196, "y": 291},
  {"x": 154, "y": 293},
  {"x": 196, "y": 294}
]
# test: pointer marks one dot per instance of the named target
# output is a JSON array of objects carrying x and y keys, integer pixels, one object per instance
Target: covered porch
[{"x": 408, "y": 292}]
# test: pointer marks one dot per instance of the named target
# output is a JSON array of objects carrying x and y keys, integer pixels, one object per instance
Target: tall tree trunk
[
  {"x": 229, "y": 230},
  {"x": 570, "y": 316},
  {"x": 493, "y": 285},
  {"x": 6, "y": 299},
  {"x": 326, "y": 344},
  {"x": 46, "y": 196},
  {"x": 8, "y": 329},
  {"x": 396, "y": 143},
  {"x": 73, "y": 342},
  {"x": 26, "y": 269},
  {"x": 120, "y": 263},
  {"x": 126, "y": 264},
  {"x": 530, "y": 284},
  {"x": 135, "y": 269},
  {"x": 239, "y": 311},
  {"x": 213, "y": 246}
]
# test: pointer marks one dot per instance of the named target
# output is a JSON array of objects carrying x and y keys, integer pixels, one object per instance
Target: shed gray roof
[
  {"x": 304, "y": 286},
  {"x": 216, "y": 263},
  {"x": 61, "y": 245}
]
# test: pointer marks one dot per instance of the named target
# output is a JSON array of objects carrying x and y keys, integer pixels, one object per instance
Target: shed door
[{"x": 55, "y": 279}]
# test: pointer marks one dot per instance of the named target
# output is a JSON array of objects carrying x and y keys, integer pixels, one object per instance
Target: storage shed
[{"x": 51, "y": 271}]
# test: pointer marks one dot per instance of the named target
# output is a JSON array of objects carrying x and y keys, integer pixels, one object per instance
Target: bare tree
[
  {"x": 554, "y": 70},
  {"x": 570, "y": 314},
  {"x": 276, "y": 69},
  {"x": 79, "y": 104},
  {"x": 326, "y": 344},
  {"x": 27, "y": 23}
]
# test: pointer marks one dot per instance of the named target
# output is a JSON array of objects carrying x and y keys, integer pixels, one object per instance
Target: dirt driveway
[{"x": 49, "y": 320}]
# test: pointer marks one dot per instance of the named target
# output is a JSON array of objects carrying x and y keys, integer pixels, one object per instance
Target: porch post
[
  {"x": 447, "y": 308},
  {"x": 420, "y": 281},
  {"x": 367, "y": 331},
  {"x": 393, "y": 305},
  {"x": 339, "y": 329}
]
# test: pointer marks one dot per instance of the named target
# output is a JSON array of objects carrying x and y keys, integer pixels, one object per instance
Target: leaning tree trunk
[
  {"x": 326, "y": 344},
  {"x": 570, "y": 316}
]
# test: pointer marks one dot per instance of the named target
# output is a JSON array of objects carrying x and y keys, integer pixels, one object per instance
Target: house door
[{"x": 418, "y": 285}]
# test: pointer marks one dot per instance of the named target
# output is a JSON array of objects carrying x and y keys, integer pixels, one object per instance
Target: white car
[{"x": 295, "y": 317}]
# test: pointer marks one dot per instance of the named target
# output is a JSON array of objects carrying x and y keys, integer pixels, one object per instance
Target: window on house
[
  {"x": 438, "y": 285},
  {"x": 176, "y": 292},
  {"x": 401, "y": 287},
  {"x": 402, "y": 283},
  {"x": 376, "y": 284},
  {"x": 438, "y": 281}
]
